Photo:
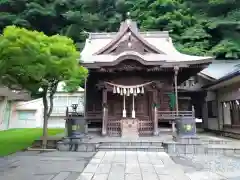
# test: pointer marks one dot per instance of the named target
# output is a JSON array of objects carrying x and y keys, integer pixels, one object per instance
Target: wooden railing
[{"x": 174, "y": 114}]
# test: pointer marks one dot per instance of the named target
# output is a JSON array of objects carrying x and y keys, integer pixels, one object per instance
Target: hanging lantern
[
  {"x": 124, "y": 91},
  {"x": 142, "y": 91},
  {"x": 138, "y": 90},
  {"x": 131, "y": 90},
  {"x": 114, "y": 90},
  {"x": 118, "y": 90}
]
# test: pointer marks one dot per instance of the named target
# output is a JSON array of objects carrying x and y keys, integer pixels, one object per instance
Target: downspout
[{"x": 218, "y": 117}]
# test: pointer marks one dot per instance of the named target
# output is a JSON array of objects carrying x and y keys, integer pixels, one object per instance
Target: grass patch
[{"x": 15, "y": 140}]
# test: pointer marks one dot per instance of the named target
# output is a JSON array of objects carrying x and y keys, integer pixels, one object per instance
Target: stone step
[
  {"x": 131, "y": 148},
  {"x": 222, "y": 149},
  {"x": 207, "y": 141},
  {"x": 217, "y": 149},
  {"x": 131, "y": 143},
  {"x": 80, "y": 147}
]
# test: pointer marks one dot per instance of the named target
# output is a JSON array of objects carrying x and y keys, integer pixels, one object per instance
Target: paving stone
[
  {"x": 132, "y": 168},
  {"x": 103, "y": 169},
  {"x": 118, "y": 167},
  {"x": 95, "y": 161},
  {"x": 61, "y": 176},
  {"x": 147, "y": 168},
  {"x": 73, "y": 176},
  {"x": 166, "y": 177},
  {"x": 161, "y": 169},
  {"x": 91, "y": 168},
  {"x": 100, "y": 177},
  {"x": 133, "y": 177},
  {"x": 149, "y": 176},
  {"x": 116, "y": 175},
  {"x": 85, "y": 176}
]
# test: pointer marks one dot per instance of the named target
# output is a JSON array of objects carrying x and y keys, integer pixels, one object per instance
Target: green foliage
[
  {"x": 31, "y": 60},
  {"x": 198, "y": 27},
  {"x": 14, "y": 140}
]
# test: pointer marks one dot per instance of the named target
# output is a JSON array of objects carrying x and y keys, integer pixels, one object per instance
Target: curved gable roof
[{"x": 126, "y": 27}]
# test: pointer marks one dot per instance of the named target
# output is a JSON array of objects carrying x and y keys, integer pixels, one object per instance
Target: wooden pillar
[
  {"x": 176, "y": 68},
  {"x": 105, "y": 112},
  {"x": 155, "y": 114},
  {"x": 85, "y": 104}
]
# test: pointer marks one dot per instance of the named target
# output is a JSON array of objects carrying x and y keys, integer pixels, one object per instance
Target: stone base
[{"x": 187, "y": 139}]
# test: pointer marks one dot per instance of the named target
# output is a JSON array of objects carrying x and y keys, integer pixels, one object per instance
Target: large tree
[
  {"x": 35, "y": 62},
  {"x": 197, "y": 27}
]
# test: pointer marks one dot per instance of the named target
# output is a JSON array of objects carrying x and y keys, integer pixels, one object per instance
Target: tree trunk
[
  {"x": 46, "y": 113},
  {"x": 45, "y": 121}
]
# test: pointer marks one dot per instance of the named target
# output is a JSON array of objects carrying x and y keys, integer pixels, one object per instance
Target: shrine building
[{"x": 133, "y": 77}]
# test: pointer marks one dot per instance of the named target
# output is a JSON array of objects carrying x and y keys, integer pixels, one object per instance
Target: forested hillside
[{"x": 198, "y": 27}]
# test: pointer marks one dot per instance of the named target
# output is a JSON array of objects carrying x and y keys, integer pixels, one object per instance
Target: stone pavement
[
  {"x": 118, "y": 165},
  {"x": 132, "y": 165},
  {"x": 43, "y": 166}
]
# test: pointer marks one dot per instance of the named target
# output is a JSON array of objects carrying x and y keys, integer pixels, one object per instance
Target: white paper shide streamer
[{"x": 127, "y": 91}]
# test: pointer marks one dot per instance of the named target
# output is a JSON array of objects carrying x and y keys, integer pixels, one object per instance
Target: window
[
  {"x": 26, "y": 115},
  {"x": 212, "y": 109}
]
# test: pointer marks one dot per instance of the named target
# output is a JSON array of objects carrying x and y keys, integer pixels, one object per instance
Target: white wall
[
  {"x": 56, "y": 120},
  {"x": 34, "y": 105},
  {"x": 3, "y": 102}
]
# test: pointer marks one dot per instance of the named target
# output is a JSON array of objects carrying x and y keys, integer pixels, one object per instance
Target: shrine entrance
[{"x": 129, "y": 107}]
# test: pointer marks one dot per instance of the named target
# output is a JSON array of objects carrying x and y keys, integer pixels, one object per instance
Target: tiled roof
[
  {"x": 220, "y": 68},
  {"x": 159, "y": 40}
]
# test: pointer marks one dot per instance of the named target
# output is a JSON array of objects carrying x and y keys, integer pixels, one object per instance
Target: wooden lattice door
[
  {"x": 114, "y": 114},
  {"x": 144, "y": 113}
]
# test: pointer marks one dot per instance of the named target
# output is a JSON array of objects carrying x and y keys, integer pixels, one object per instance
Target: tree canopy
[
  {"x": 199, "y": 27},
  {"x": 35, "y": 62}
]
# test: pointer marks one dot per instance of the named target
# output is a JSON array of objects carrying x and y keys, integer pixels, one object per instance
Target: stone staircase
[
  {"x": 130, "y": 146},
  {"x": 187, "y": 146},
  {"x": 197, "y": 146}
]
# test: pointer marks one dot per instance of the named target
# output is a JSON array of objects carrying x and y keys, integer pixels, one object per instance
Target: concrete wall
[
  {"x": 35, "y": 106},
  {"x": 211, "y": 123},
  {"x": 56, "y": 120},
  {"x": 3, "y": 123}
]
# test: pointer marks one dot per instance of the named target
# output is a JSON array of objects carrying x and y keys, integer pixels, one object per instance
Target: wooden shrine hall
[{"x": 133, "y": 79}]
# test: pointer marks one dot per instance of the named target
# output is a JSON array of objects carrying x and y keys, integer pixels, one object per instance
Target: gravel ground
[{"x": 227, "y": 167}]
